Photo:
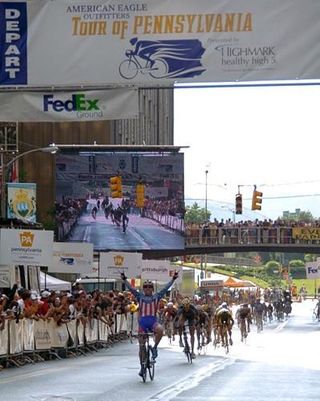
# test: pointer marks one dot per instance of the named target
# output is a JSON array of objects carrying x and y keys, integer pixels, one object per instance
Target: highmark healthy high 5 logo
[
  {"x": 13, "y": 43},
  {"x": 77, "y": 103}
]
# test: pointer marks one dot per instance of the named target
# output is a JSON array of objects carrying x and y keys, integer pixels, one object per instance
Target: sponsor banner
[
  {"x": 72, "y": 258},
  {"x": 211, "y": 284},
  {"x": 13, "y": 43},
  {"x": 69, "y": 106},
  {"x": 157, "y": 270},
  {"x": 22, "y": 200},
  {"x": 5, "y": 276},
  {"x": 108, "y": 42},
  {"x": 26, "y": 247},
  {"x": 305, "y": 233},
  {"x": 313, "y": 269},
  {"x": 112, "y": 264}
]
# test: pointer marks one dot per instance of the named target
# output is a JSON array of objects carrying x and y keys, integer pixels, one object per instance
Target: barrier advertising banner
[
  {"x": 22, "y": 200},
  {"x": 112, "y": 42},
  {"x": 69, "y": 106},
  {"x": 112, "y": 264},
  {"x": 72, "y": 258},
  {"x": 26, "y": 247}
]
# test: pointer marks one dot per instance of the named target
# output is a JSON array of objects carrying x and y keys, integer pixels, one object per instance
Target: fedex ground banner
[
  {"x": 70, "y": 42},
  {"x": 69, "y": 106}
]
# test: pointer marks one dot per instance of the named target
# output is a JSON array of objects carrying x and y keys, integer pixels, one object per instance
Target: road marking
[
  {"x": 191, "y": 381},
  {"x": 281, "y": 326}
]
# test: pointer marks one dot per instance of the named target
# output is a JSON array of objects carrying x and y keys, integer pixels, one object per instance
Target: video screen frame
[{"x": 85, "y": 211}]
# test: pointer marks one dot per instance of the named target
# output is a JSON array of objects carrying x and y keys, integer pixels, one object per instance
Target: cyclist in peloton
[
  {"x": 169, "y": 316},
  {"x": 187, "y": 312},
  {"x": 244, "y": 314},
  {"x": 148, "y": 307},
  {"x": 224, "y": 315},
  {"x": 205, "y": 322}
]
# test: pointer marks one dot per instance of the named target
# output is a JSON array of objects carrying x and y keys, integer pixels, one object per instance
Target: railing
[
  {"x": 196, "y": 236},
  {"x": 29, "y": 341}
]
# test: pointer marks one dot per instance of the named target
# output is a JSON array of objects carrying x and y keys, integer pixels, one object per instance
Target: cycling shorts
[{"x": 147, "y": 323}]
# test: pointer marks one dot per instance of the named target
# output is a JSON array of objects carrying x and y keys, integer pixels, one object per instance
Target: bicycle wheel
[
  {"x": 225, "y": 342},
  {"x": 159, "y": 69},
  {"x": 128, "y": 69},
  {"x": 151, "y": 364}
]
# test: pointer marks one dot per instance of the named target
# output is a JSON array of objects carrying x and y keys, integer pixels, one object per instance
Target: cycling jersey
[{"x": 148, "y": 304}]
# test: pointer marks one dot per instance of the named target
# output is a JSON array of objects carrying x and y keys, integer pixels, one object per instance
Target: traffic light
[
  {"x": 140, "y": 195},
  {"x": 238, "y": 204},
  {"x": 116, "y": 187},
  {"x": 256, "y": 200}
]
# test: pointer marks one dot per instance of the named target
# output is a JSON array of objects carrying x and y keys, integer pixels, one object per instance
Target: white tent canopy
[{"x": 53, "y": 283}]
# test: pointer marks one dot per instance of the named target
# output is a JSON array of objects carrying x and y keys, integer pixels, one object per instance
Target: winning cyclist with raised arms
[{"x": 148, "y": 307}]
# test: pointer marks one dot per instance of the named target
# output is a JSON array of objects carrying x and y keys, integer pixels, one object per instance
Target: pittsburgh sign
[{"x": 306, "y": 233}]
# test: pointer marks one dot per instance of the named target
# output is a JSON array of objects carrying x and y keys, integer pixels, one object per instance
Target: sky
[{"x": 268, "y": 136}]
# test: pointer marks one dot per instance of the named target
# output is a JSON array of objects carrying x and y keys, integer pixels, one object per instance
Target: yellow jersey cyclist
[{"x": 223, "y": 316}]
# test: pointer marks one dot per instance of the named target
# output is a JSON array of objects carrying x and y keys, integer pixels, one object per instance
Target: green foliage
[
  {"x": 196, "y": 214},
  {"x": 309, "y": 257},
  {"x": 299, "y": 216},
  {"x": 296, "y": 263}
]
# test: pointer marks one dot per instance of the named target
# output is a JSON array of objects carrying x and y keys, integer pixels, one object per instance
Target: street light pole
[
  {"x": 50, "y": 149},
  {"x": 206, "y": 197},
  {"x": 206, "y": 222}
]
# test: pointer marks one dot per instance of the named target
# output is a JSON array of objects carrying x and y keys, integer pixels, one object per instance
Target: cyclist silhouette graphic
[
  {"x": 163, "y": 58},
  {"x": 145, "y": 49}
]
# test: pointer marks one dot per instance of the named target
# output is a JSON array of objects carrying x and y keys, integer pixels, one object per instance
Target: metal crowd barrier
[{"x": 30, "y": 341}]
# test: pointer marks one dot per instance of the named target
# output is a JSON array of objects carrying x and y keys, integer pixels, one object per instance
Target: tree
[
  {"x": 299, "y": 215},
  {"x": 196, "y": 214}
]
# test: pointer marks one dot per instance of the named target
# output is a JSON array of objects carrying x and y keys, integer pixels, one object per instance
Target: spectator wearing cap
[
  {"x": 44, "y": 306},
  {"x": 32, "y": 307}
]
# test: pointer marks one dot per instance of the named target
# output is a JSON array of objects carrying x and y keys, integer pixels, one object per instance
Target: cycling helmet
[
  {"x": 148, "y": 283},
  {"x": 224, "y": 305},
  {"x": 133, "y": 41},
  {"x": 170, "y": 304},
  {"x": 186, "y": 302}
]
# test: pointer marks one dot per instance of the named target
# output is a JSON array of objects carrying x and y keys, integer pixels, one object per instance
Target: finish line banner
[
  {"x": 146, "y": 41},
  {"x": 69, "y": 106}
]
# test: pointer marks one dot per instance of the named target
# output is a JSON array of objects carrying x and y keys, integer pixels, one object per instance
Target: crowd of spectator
[
  {"x": 250, "y": 232},
  {"x": 63, "y": 306}
]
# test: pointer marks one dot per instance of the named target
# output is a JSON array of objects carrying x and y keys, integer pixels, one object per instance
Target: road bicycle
[
  {"x": 201, "y": 336},
  {"x": 169, "y": 330},
  {"x": 243, "y": 330},
  {"x": 224, "y": 336},
  {"x": 259, "y": 323},
  {"x": 187, "y": 348},
  {"x": 148, "y": 363},
  {"x": 130, "y": 67}
]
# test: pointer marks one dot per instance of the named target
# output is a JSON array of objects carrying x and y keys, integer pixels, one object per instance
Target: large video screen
[{"x": 127, "y": 201}]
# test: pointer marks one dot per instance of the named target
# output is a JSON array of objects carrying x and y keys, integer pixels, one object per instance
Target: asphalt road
[
  {"x": 141, "y": 233},
  {"x": 281, "y": 363}
]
